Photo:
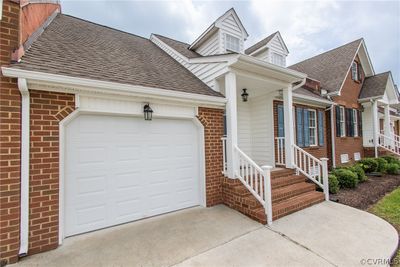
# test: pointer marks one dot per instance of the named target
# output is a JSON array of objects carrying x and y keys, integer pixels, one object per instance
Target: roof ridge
[
  {"x": 333, "y": 49},
  {"x": 104, "y": 26},
  {"x": 156, "y": 34}
]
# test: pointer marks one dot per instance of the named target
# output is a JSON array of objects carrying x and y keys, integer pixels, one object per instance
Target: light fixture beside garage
[
  {"x": 245, "y": 95},
  {"x": 148, "y": 112}
]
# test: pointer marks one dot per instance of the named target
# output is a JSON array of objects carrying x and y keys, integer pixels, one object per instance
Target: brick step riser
[
  {"x": 283, "y": 183},
  {"x": 290, "y": 210},
  {"x": 279, "y": 198}
]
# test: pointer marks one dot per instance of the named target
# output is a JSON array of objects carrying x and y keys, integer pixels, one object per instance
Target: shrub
[
  {"x": 391, "y": 159},
  {"x": 333, "y": 184},
  {"x": 369, "y": 165},
  {"x": 346, "y": 178},
  {"x": 393, "y": 168},
  {"x": 382, "y": 165},
  {"x": 357, "y": 169}
]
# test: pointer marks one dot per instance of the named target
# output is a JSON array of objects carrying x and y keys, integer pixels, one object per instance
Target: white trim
[
  {"x": 313, "y": 99},
  {"x": 25, "y": 158},
  {"x": 315, "y": 127},
  {"x": 355, "y": 122},
  {"x": 62, "y": 128},
  {"x": 342, "y": 112},
  {"x": 333, "y": 135},
  {"x": 83, "y": 84}
]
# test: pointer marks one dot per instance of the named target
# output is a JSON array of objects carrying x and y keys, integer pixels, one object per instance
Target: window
[
  {"x": 232, "y": 43},
  {"x": 357, "y": 156},
  {"x": 312, "y": 127},
  {"x": 342, "y": 122},
  {"x": 355, "y": 122},
  {"x": 277, "y": 59},
  {"x": 344, "y": 158},
  {"x": 354, "y": 71}
]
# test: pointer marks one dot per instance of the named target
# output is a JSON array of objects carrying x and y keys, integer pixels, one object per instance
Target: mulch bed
[{"x": 367, "y": 193}]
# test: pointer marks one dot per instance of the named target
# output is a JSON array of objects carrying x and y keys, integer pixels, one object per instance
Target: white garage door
[{"x": 120, "y": 169}]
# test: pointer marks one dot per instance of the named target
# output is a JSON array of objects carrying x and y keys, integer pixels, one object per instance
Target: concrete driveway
[{"x": 219, "y": 236}]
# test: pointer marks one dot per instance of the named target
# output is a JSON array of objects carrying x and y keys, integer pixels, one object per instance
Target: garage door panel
[{"x": 120, "y": 169}]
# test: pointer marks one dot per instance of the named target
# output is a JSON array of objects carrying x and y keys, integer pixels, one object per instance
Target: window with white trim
[
  {"x": 342, "y": 122},
  {"x": 354, "y": 71},
  {"x": 232, "y": 43},
  {"x": 277, "y": 59},
  {"x": 355, "y": 122},
  {"x": 312, "y": 126}
]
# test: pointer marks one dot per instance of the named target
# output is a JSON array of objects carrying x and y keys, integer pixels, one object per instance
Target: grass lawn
[{"x": 388, "y": 208}]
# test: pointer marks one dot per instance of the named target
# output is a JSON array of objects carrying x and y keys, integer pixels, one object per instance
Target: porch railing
[
  {"x": 280, "y": 150},
  {"x": 314, "y": 169},
  {"x": 390, "y": 143},
  {"x": 256, "y": 179},
  {"x": 224, "y": 167}
]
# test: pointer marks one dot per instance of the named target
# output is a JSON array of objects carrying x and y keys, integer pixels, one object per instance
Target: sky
[{"x": 307, "y": 27}]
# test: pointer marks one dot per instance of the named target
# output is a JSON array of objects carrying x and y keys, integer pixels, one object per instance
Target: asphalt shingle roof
[
  {"x": 78, "y": 48},
  {"x": 259, "y": 44},
  {"x": 331, "y": 67},
  {"x": 374, "y": 85},
  {"x": 179, "y": 46}
]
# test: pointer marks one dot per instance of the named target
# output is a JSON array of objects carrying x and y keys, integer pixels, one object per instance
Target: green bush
[
  {"x": 333, "y": 184},
  {"x": 357, "y": 169},
  {"x": 369, "y": 165},
  {"x": 346, "y": 178},
  {"x": 391, "y": 159},
  {"x": 393, "y": 168},
  {"x": 382, "y": 165}
]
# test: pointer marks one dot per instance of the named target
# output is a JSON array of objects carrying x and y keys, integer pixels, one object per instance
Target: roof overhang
[
  {"x": 260, "y": 67},
  {"x": 390, "y": 95},
  {"x": 312, "y": 100},
  {"x": 69, "y": 84}
]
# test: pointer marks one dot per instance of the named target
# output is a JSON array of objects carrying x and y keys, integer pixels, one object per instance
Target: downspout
[
  {"x": 333, "y": 145},
  {"x": 25, "y": 129}
]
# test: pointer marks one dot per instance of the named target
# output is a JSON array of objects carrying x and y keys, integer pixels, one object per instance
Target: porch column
[
  {"x": 386, "y": 128},
  {"x": 231, "y": 123},
  {"x": 288, "y": 122},
  {"x": 375, "y": 125}
]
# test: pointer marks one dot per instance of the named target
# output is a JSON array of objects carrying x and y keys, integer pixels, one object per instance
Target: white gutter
[
  {"x": 333, "y": 135},
  {"x": 310, "y": 98},
  {"x": 25, "y": 129},
  {"x": 90, "y": 85}
]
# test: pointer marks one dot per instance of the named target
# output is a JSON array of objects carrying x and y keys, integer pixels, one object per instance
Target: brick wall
[
  {"x": 317, "y": 151},
  {"x": 349, "y": 99},
  {"x": 212, "y": 120},
  {"x": 10, "y": 138},
  {"x": 47, "y": 110}
]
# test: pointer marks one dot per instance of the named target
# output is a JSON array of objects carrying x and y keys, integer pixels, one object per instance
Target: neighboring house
[
  {"x": 101, "y": 127},
  {"x": 347, "y": 77}
]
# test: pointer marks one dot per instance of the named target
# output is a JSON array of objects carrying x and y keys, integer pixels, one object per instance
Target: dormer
[
  {"x": 271, "y": 49},
  {"x": 225, "y": 35}
]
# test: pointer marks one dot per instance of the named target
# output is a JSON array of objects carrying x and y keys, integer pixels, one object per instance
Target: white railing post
[
  {"x": 223, "y": 139},
  {"x": 325, "y": 179},
  {"x": 267, "y": 193}
]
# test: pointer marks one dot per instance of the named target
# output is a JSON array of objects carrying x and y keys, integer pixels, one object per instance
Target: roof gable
[
  {"x": 266, "y": 43},
  {"x": 380, "y": 86},
  {"x": 218, "y": 24},
  {"x": 331, "y": 67}
]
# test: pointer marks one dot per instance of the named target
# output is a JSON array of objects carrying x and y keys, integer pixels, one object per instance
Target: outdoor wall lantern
[
  {"x": 148, "y": 112},
  {"x": 245, "y": 95}
]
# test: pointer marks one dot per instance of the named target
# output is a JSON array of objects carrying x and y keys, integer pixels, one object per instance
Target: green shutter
[
  {"x": 299, "y": 127},
  {"x": 281, "y": 121},
  {"x": 306, "y": 128},
  {"x": 337, "y": 121}
]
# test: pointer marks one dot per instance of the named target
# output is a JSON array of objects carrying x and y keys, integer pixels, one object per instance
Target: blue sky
[{"x": 308, "y": 27}]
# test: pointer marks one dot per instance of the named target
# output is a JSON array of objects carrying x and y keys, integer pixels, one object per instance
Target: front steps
[{"x": 290, "y": 193}]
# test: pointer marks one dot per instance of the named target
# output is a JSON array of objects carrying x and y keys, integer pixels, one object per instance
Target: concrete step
[
  {"x": 287, "y": 180},
  {"x": 296, "y": 203},
  {"x": 283, "y": 193}
]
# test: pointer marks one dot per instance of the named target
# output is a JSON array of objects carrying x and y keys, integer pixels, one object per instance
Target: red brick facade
[
  {"x": 349, "y": 99},
  {"x": 317, "y": 151},
  {"x": 10, "y": 139},
  {"x": 47, "y": 110},
  {"x": 212, "y": 120}
]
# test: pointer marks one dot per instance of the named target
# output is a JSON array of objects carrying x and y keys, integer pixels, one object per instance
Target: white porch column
[
  {"x": 387, "y": 130},
  {"x": 288, "y": 122},
  {"x": 375, "y": 125},
  {"x": 231, "y": 122}
]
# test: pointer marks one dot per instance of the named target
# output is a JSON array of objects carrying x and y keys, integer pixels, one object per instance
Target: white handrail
[
  {"x": 224, "y": 162},
  {"x": 256, "y": 179},
  {"x": 314, "y": 169},
  {"x": 280, "y": 150},
  {"x": 390, "y": 143}
]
